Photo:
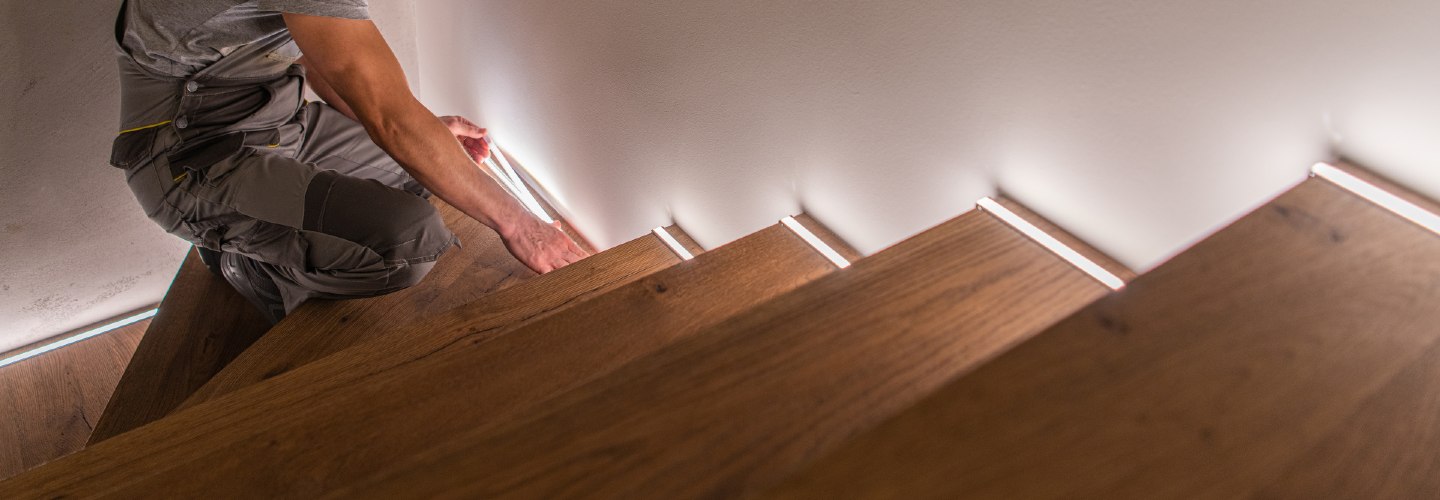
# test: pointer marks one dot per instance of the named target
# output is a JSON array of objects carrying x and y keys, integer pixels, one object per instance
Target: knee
[
  {"x": 412, "y": 231},
  {"x": 408, "y": 275},
  {"x": 404, "y": 229}
]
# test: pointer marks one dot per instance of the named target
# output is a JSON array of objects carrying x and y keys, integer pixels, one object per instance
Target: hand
[
  {"x": 470, "y": 135},
  {"x": 543, "y": 247}
]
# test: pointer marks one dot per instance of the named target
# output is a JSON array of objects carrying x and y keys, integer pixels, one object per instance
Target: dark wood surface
[
  {"x": 51, "y": 401},
  {"x": 1292, "y": 355},
  {"x": 346, "y": 416},
  {"x": 481, "y": 266},
  {"x": 203, "y": 325},
  {"x": 735, "y": 408}
]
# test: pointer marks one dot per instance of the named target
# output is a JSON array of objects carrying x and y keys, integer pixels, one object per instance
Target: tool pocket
[
  {"x": 208, "y": 159},
  {"x": 132, "y": 149}
]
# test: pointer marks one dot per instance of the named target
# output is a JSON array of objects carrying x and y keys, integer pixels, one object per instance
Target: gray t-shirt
[{"x": 181, "y": 37}]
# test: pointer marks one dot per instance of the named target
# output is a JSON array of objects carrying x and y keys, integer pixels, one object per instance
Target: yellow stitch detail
[
  {"x": 153, "y": 125},
  {"x": 182, "y": 176},
  {"x": 273, "y": 146}
]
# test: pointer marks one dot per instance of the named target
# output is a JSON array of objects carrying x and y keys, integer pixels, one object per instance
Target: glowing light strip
[
  {"x": 1054, "y": 245},
  {"x": 526, "y": 198},
  {"x": 674, "y": 245},
  {"x": 1409, "y": 211},
  {"x": 815, "y": 242},
  {"x": 76, "y": 338},
  {"x": 504, "y": 179}
]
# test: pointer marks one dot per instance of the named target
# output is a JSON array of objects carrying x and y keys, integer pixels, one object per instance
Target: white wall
[
  {"x": 77, "y": 248},
  {"x": 1139, "y": 125}
]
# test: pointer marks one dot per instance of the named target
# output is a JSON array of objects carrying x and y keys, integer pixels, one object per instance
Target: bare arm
[
  {"x": 317, "y": 83},
  {"x": 355, "y": 63}
]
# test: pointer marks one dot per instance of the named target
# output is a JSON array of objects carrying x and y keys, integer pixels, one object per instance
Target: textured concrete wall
[
  {"x": 1139, "y": 125},
  {"x": 76, "y": 248}
]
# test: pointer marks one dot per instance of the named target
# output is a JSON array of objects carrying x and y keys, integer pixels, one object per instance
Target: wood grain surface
[
  {"x": 203, "y": 325},
  {"x": 1292, "y": 355},
  {"x": 51, "y": 401},
  {"x": 197, "y": 432},
  {"x": 330, "y": 423},
  {"x": 319, "y": 328},
  {"x": 735, "y": 408}
]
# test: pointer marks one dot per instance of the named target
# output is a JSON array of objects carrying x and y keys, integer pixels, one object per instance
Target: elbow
[{"x": 388, "y": 121}]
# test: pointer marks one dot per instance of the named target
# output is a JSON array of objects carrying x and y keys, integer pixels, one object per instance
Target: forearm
[
  {"x": 355, "y": 63},
  {"x": 322, "y": 88},
  {"x": 420, "y": 143}
]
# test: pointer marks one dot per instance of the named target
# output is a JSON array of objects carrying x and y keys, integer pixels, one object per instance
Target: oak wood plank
[
  {"x": 51, "y": 400},
  {"x": 685, "y": 240},
  {"x": 481, "y": 266},
  {"x": 733, "y": 409},
  {"x": 203, "y": 324},
  {"x": 1291, "y": 355},
  {"x": 302, "y": 433}
]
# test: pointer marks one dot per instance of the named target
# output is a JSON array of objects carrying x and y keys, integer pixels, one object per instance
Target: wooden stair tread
[
  {"x": 300, "y": 387},
  {"x": 481, "y": 266},
  {"x": 203, "y": 324},
  {"x": 731, "y": 410},
  {"x": 285, "y": 436},
  {"x": 1294, "y": 354}
]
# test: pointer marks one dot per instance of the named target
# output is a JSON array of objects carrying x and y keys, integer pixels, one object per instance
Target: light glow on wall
[
  {"x": 77, "y": 338},
  {"x": 1409, "y": 211},
  {"x": 674, "y": 245},
  {"x": 1052, "y": 244},
  {"x": 815, "y": 242},
  {"x": 512, "y": 181}
]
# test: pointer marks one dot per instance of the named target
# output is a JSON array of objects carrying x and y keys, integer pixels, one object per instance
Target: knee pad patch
[{"x": 394, "y": 223}]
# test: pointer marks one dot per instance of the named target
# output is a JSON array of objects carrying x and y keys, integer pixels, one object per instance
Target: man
[{"x": 294, "y": 200}]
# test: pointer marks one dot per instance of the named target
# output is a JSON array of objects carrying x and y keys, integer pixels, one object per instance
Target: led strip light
[
  {"x": 1409, "y": 211},
  {"x": 514, "y": 183},
  {"x": 1054, "y": 245},
  {"x": 815, "y": 242},
  {"x": 674, "y": 245},
  {"x": 77, "y": 338}
]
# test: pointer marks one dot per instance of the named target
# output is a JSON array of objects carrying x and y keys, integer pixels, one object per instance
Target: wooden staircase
[{"x": 1292, "y": 354}]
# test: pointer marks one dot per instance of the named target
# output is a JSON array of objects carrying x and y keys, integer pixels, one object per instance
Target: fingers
[
  {"x": 571, "y": 247},
  {"x": 478, "y": 149},
  {"x": 462, "y": 127},
  {"x": 565, "y": 258},
  {"x": 575, "y": 248}
]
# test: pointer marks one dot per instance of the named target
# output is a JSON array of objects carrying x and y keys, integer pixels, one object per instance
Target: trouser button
[
  {"x": 182, "y": 122},
  {"x": 192, "y": 86}
]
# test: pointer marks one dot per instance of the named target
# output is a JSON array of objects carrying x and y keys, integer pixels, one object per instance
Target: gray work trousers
[
  {"x": 232, "y": 160},
  {"x": 326, "y": 212}
]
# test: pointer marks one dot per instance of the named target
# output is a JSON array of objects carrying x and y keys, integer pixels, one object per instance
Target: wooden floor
[
  {"x": 1295, "y": 354},
  {"x": 481, "y": 266},
  {"x": 51, "y": 401},
  {"x": 203, "y": 324},
  {"x": 265, "y": 440},
  {"x": 735, "y": 408}
]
